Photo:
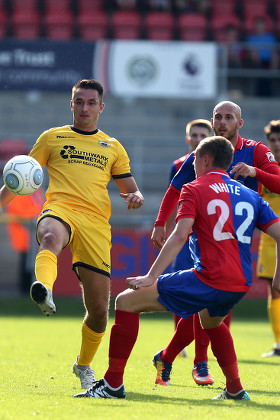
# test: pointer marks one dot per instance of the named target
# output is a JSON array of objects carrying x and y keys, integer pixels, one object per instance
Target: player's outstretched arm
[
  {"x": 130, "y": 192},
  {"x": 5, "y": 196}
]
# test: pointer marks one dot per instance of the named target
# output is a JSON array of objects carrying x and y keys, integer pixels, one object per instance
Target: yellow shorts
[
  {"x": 267, "y": 257},
  {"x": 90, "y": 238}
]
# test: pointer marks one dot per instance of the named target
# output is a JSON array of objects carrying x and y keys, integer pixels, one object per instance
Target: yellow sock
[
  {"x": 273, "y": 306},
  {"x": 46, "y": 268},
  {"x": 90, "y": 344}
]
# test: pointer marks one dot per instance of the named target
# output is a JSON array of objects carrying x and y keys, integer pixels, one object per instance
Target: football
[{"x": 23, "y": 175}]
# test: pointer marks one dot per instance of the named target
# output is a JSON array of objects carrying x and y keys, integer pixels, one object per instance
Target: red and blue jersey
[
  {"x": 254, "y": 154},
  {"x": 176, "y": 165},
  {"x": 226, "y": 214}
]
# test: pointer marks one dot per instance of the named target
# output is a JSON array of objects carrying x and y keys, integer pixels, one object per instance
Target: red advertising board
[{"x": 132, "y": 254}]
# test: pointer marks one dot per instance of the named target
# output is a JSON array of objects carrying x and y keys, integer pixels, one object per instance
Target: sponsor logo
[
  {"x": 65, "y": 137},
  {"x": 192, "y": 65},
  {"x": 104, "y": 144},
  {"x": 142, "y": 70},
  {"x": 45, "y": 211},
  {"x": 74, "y": 155},
  {"x": 106, "y": 265},
  {"x": 270, "y": 157}
]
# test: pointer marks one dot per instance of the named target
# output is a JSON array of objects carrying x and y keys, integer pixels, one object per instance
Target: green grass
[{"x": 37, "y": 354}]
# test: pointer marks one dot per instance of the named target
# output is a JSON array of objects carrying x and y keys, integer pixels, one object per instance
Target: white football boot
[
  {"x": 86, "y": 375},
  {"x": 41, "y": 295}
]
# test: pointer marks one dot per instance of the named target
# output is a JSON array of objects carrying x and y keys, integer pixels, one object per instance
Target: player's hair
[
  {"x": 219, "y": 148},
  {"x": 198, "y": 123},
  {"x": 89, "y": 84},
  {"x": 272, "y": 127}
]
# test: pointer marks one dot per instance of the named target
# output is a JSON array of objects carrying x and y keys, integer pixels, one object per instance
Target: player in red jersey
[
  {"x": 223, "y": 215},
  {"x": 253, "y": 164},
  {"x": 196, "y": 131}
]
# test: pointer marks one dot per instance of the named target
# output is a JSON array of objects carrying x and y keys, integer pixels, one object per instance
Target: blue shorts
[{"x": 184, "y": 294}]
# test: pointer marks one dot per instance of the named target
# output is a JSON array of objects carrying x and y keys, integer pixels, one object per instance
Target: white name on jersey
[{"x": 229, "y": 188}]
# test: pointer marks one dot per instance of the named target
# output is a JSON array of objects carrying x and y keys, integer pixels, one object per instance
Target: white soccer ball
[{"x": 23, "y": 175}]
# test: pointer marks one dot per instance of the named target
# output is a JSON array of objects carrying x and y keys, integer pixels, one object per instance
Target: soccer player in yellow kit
[
  {"x": 267, "y": 252},
  {"x": 80, "y": 161}
]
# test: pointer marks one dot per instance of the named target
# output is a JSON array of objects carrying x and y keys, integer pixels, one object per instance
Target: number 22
[{"x": 218, "y": 233}]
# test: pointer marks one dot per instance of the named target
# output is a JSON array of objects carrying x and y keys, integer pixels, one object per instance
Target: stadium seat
[
  {"x": 159, "y": 26},
  {"x": 28, "y": 4},
  {"x": 126, "y": 24},
  {"x": 10, "y": 148},
  {"x": 26, "y": 23},
  {"x": 192, "y": 27},
  {"x": 219, "y": 25},
  {"x": 59, "y": 26},
  {"x": 93, "y": 25},
  {"x": 252, "y": 8},
  {"x": 89, "y": 5},
  {"x": 223, "y": 7},
  {"x": 57, "y": 5},
  {"x": 3, "y": 23}
]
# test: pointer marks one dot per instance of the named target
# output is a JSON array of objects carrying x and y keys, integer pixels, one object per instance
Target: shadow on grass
[
  {"x": 140, "y": 397},
  {"x": 272, "y": 361},
  {"x": 73, "y": 307}
]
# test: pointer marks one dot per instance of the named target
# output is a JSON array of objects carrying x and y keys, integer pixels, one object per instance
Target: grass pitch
[{"x": 37, "y": 354}]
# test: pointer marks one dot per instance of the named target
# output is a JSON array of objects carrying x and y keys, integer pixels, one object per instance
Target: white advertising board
[{"x": 160, "y": 69}]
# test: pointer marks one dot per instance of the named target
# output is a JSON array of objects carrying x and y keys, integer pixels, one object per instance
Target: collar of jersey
[
  {"x": 217, "y": 172},
  {"x": 87, "y": 133},
  {"x": 239, "y": 143}
]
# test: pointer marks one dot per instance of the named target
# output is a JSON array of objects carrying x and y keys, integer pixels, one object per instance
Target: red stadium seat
[
  {"x": 27, "y": 4},
  {"x": 159, "y": 26},
  {"x": 219, "y": 25},
  {"x": 126, "y": 24},
  {"x": 3, "y": 23},
  {"x": 93, "y": 25},
  {"x": 252, "y": 8},
  {"x": 10, "y": 148},
  {"x": 59, "y": 26},
  {"x": 26, "y": 23},
  {"x": 192, "y": 27},
  {"x": 90, "y": 5},
  {"x": 57, "y": 5},
  {"x": 223, "y": 7}
]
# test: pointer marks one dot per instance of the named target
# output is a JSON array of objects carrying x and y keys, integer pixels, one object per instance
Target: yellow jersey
[{"x": 80, "y": 166}]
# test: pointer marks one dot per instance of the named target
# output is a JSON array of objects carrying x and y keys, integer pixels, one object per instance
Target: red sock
[
  {"x": 123, "y": 337},
  {"x": 223, "y": 349},
  {"x": 183, "y": 337},
  {"x": 176, "y": 319},
  {"x": 201, "y": 341}
]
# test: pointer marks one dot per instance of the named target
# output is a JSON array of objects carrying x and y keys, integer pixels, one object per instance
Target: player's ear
[
  {"x": 207, "y": 159},
  {"x": 102, "y": 106},
  {"x": 187, "y": 138},
  {"x": 240, "y": 124}
]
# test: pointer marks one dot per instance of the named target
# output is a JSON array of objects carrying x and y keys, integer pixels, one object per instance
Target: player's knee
[
  {"x": 50, "y": 241},
  {"x": 120, "y": 302},
  {"x": 98, "y": 311},
  {"x": 126, "y": 301}
]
